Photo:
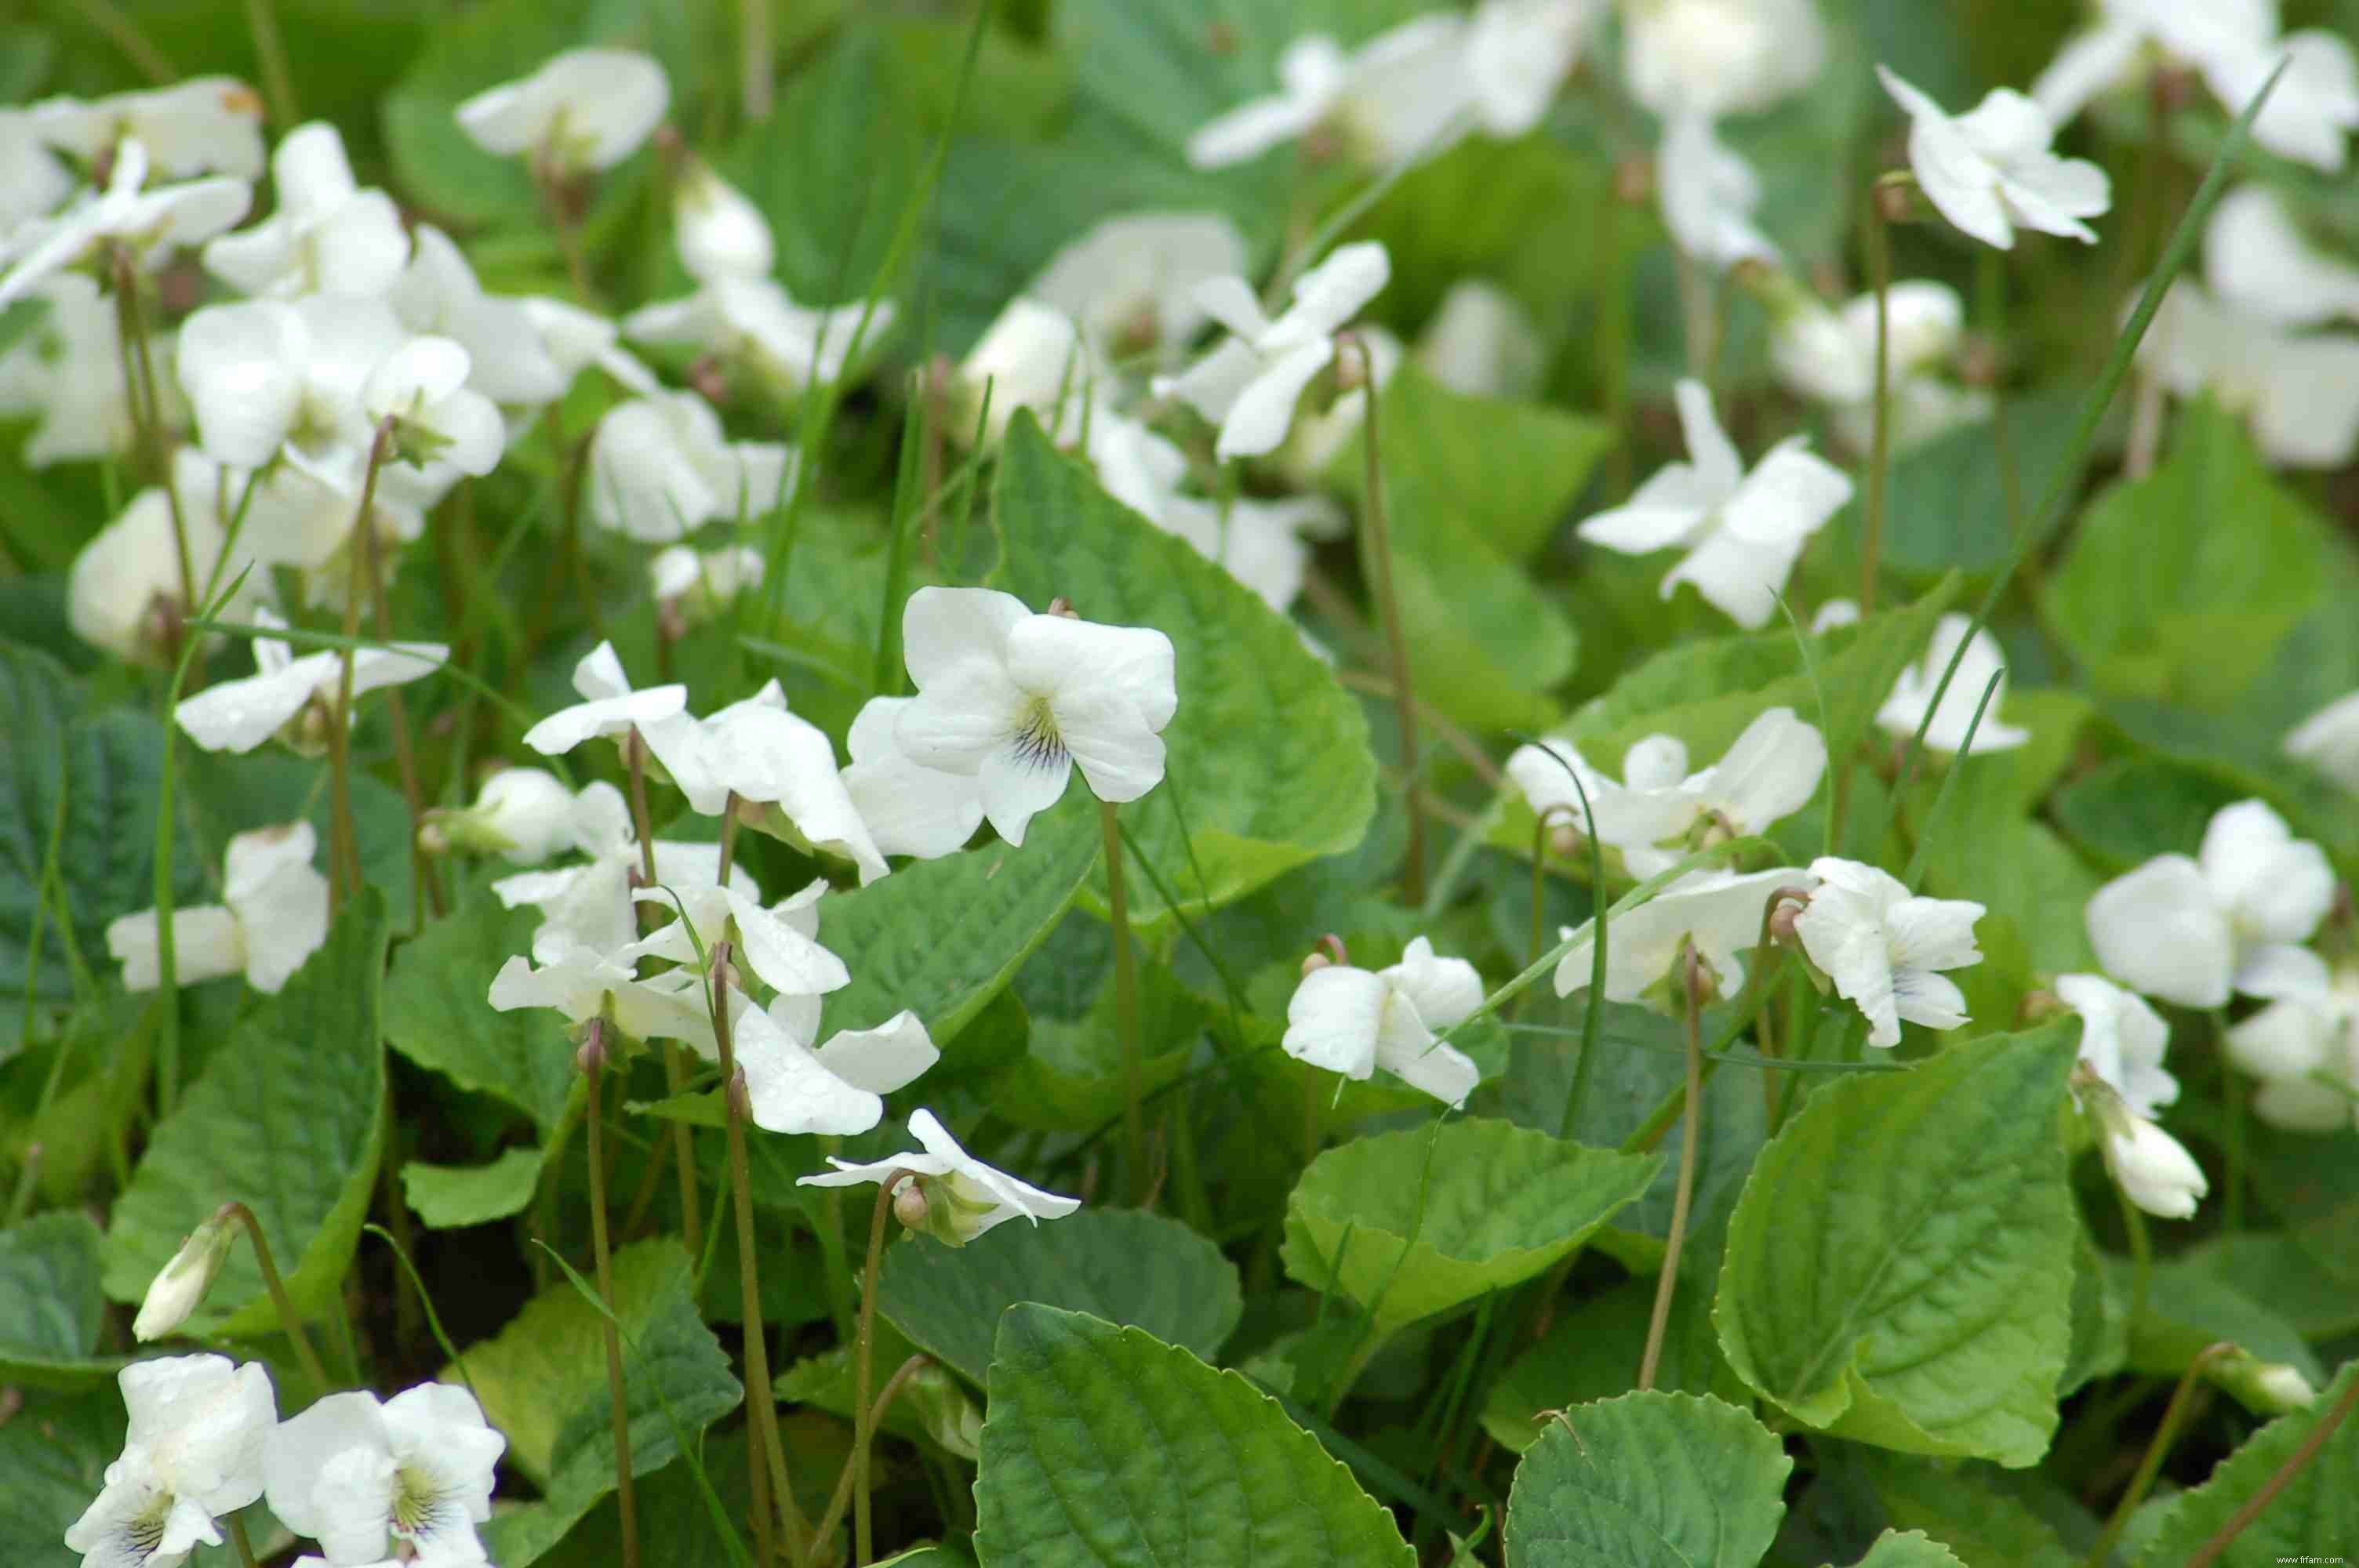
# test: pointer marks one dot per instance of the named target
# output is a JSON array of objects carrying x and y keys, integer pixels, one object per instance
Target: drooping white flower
[
  {"x": 207, "y": 124},
  {"x": 1884, "y": 948},
  {"x": 268, "y": 376},
  {"x": 1709, "y": 196},
  {"x": 1320, "y": 435},
  {"x": 779, "y": 944},
  {"x": 179, "y": 1287},
  {"x": 703, "y": 583},
  {"x": 1480, "y": 340},
  {"x": 1016, "y": 699},
  {"x": 584, "y": 110},
  {"x": 1912, "y": 694},
  {"x": 2304, "y": 1046},
  {"x": 1743, "y": 531},
  {"x": 523, "y": 815},
  {"x": 437, "y": 295},
  {"x": 753, "y": 319},
  {"x": 1390, "y": 99},
  {"x": 2236, "y": 45},
  {"x": 835, "y": 1089},
  {"x": 718, "y": 232},
  {"x": 907, "y": 807},
  {"x": 575, "y": 339},
  {"x": 439, "y": 425},
  {"x": 32, "y": 180},
  {"x": 767, "y": 757},
  {"x": 1990, "y": 171},
  {"x": 2154, "y": 1169},
  {"x": 660, "y": 468},
  {"x": 579, "y": 984},
  {"x": 2329, "y": 740},
  {"x": 965, "y": 1197},
  {"x": 359, "y": 1476},
  {"x": 1131, "y": 281},
  {"x": 239, "y": 715},
  {"x": 1032, "y": 356},
  {"x": 2257, "y": 260},
  {"x": 591, "y": 905},
  {"x": 193, "y": 1453},
  {"x": 1769, "y": 773},
  {"x": 610, "y": 707},
  {"x": 1351, "y": 1022},
  {"x": 1719, "y": 913},
  {"x": 1264, "y": 545},
  {"x": 1829, "y": 356},
  {"x": 329, "y": 235},
  {"x": 1517, "y": 53},
  {"x": 1543, "y": 770},
  {"x": 2191, "y": 932},
  {"x": 152, "y": 220},
  {"x": 272, "y": 916},
  {"x": 2121, "y": 1040},
  {"x": 1712, "y": 58},
  {"x": 2300, "y": 395},
  {"x": 124, "y": 592},
  {"x": 1249, "y": 384},
  {"x": 67, "y": 372}
]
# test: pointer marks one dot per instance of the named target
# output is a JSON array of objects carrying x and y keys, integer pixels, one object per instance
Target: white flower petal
[
  {"x": 889, "y": 1057},
  {"x": 1333, "y": 1017},
  {"x": 2158, "y": 930}
]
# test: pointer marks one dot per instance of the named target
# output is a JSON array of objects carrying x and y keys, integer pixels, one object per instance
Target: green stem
[
  {"x": 1377, "y": 560},
  {"x": 1126, "y": 1009},
  {"x": 1668, "y": 1282},
  {"x": 841, "y": 1500},
  {"x": 344, "y": 856},
  {"x": 2232, "y": 1112},
  {"x": 2141, "y": 1255},
  {"x": 277, "y": 80},
  {"x": 2174, "y": 1416},
  {"x": 1880, "y": 459},
  {"x": 2211, "y": 1550},
  {"x": 237, "y": 1540},
  {"x": 139, "y": 379},
  {"x": 424, "y": 885},
  {"x": 300, "y": 1341},
  {"x": 675, "y": 1065},
  {"x": 1614, "y": 311},
  {"x": 594, "y": 1065},
  {"x": 864, "y": 1432}
]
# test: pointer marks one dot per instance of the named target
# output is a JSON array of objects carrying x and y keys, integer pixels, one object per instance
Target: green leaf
[
  {"x": 933, "y": 1406},
  {"x": 1913, "y": 1549},
  {"x": 1269, "y": 753},
  {"x": 53, "y": 1456},
  {"x": 1899, "y": 1268},
  {"x": 1948, "y": 503},
  {"x": 446, "y": 1197},
  {"x": 944, "y": 937},
  {"x": 2159, "y": 600},
  {"x": 1592, "y": 1352},
  {"x": 1129, "y": 1267},
  {"x": 224, "y": 794},
  {"x": 1648, "y": 1479},
  {"x": 289, "y": 1119},
  {"x": 1071, "y": 1076},
  {"x": 50, "y": 1303},
  {"x": 1106, "y": 1446},
  {"x": 2315, "y": 1518},
  {"x": 1493, "y": 1206},
  {"x": 1986, "y": 1515},
  {"x": 436, "y": 1014},
  {"x": 2193, "y": 1303},
  {"x": 542, "y": 1380},
  {"x": 2128, "y": 811}
]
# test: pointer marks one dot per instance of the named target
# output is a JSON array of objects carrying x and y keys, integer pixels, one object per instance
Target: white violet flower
[
  {"x": 1719, "y": 913},
  {"x": 523, "y": 815},
  {"x": 329, "y": 235},
  {"x": 1743, "y": 531},
  {"x": 194, "y": 1453},
  {"x": 1390, "y": 99},
  {"x": 2194, "y": 931},
  {"x": 2154, "y": 1169},
  {"x": 1828, "y": 356},
  {"x": 1885, "y": 947},
  {"x": 207, "y": 124},
  {"x": 1481, "y": 341},
  {"x": 579, "y": 984},
  {"x": 358, "y": 1476},
  {"x": 1990, "y": 171},
  {"x": 2304, "y": 1047},
  {"x": 908, "y": 808},
  {"x": 1712, "y": 58},
  {"x": 273, "y": 915},
  {"x": 266, "y": 376},
  {"x": 755, "y": 319},
  {"x": 779, "y": 945},
  {"x": 836, "y": 1089},
  {"x": 1912, "y": 694},
  {"x": 2259, "y": 261},
  {"x": 149, "y": 221},
  {"x": 239, "y": 715},
  {"x": 718, "y": 232},
  {"x": 1131, "y": 281},
  {"x": 439, "y": 425},
  {"x": 2122, "y": 1040},
  {"x": 438, "y": 295},
  {"x": 2329, "y": 740},
  {"x": 610, "y": 706},
  {"x": 963, "y": 1197},
  {"x": 584, "y": 110},
  {"x": 1709, "y": 196},
  {"x": 2298, "y": 394},
  {"x": 660, "y": 468},
  {"x": 1769, "y": 773},
  {"x": 1351, "y": 1022}
]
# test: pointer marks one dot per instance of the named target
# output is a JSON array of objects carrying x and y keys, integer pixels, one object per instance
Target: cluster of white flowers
[{"x": 367, "y": 1479}]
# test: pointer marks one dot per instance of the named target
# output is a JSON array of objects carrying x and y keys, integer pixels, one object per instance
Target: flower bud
[
  {"x": 1564, "y": 838},
  {"x": 522, "y": 814},
  {"x": 2265, "y": 1388},
  {"x": 591, "y": 1057},
  {"x": 910, "y": 1205},
  {"x": 178, "y": 1290},
  {"x": 2153, "y": 1168},
  {"x": 720, "y": 232}
]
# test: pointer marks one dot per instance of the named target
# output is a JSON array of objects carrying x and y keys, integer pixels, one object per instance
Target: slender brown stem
[
  {"x": 548, "y": 183},
  {"x": 312, "y": 1367},
  {"x": 2174, "y": 1416},
  {"x": 1377, "y": 560},
  {"x": 124, "y": 34},
  {"x": 1469, "y": 749},
  {"x": 2208, "y": 1552},
  {"x": 1879, "y": 459},
  {"x": 1669, "y": 1281},
  {"x": 277, "y": 80},
  {"x": 1125, "y": 1009},
  {"x": 237, "y": 1538},
  {"x": 345, "y": 855},
  {"x": 675, "y": 1066},
  {"x": 758, "y": 48},
  {"x": 864, "y": 1430},
  {"x": 425, "y": 884},
  {"x": 2141, "y": 1253},
  {"x": 593, "y": 1063},
  {"x": 147, "y": 411},
  {"x": 844, "y": 1486},
  {"x": 758, "y": 1394}
]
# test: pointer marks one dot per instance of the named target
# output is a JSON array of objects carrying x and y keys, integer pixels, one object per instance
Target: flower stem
[
  {"x": 277, "y": 80},
  {"x": 884, "y": 1401},
  {"x": 765, "y": 1424},
  {"x": 864, "y": 1430},
  {"x": 237, "y": 1538},
  {"x": 278, "y": 1297},
  {"x": 1668, "y": 1282},
  {"x": 425, "y": 885},
  {"x": 1126, "y": 1008},
  {"x": 2232, "y": 1110},
  {"x": 755, "y": 43},
  {"x": 1377, "y": 560},
  {"x": 2141, "y": 1254},
  {"x": 675, "y": 1067},
  {"x": 2208, "y": 1552},
  {"x": 2174, "y": 1416},
  {"x": 594, "y": 1064},
  {"x": 1879, "y": 456},
  {"x": 344, "y": 856}
]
